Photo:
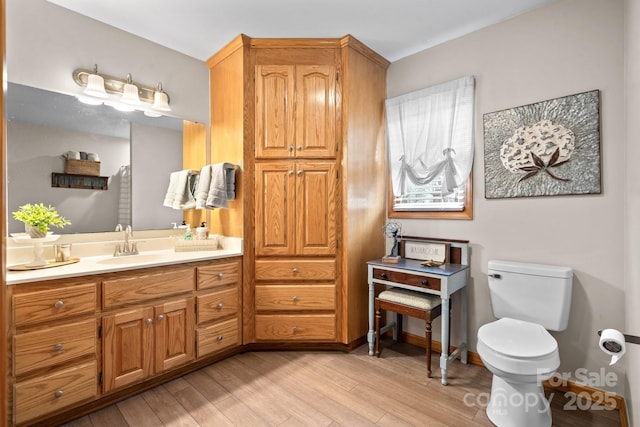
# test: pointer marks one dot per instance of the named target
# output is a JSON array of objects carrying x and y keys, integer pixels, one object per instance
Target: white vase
[{"x": 34, "y": 232}]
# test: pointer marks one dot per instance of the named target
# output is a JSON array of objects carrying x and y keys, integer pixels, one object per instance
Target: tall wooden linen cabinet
[{"x": 304, "y": 119}]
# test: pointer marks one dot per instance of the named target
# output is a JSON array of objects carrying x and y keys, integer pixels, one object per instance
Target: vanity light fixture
[
  {"x": 130, "y": 93},
  {"x": 133, "y": 96},
  {"x": 95, "y": 85},
  {"x": 160, "y": 99}
]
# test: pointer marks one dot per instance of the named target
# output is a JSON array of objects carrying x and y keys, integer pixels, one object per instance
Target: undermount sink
[{"x": 133, "y": 259}]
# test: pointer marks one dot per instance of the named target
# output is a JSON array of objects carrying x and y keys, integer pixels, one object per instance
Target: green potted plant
[{"x": 38, "y": 218}]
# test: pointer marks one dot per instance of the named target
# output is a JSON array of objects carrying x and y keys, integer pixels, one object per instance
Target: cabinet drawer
[
  {"x": 49, "y": 393},
  {"x": 218, "y": 337},
  {"x": 295, "y": 297},
  {"x": 409, "y": 279},
  {"x": 223, "y": 273},
  {"x": 292, "y": 269},
  {"x": 52, "y": 346},
  {"x": 144, "y": 287},
  {"x": 217, "y": 305},
  {"x": 296, "y": 327},
  {"x": 53, "y": 304}
]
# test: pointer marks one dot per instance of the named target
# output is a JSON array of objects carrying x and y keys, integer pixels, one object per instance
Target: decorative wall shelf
[{"x": 65, "y": 180}]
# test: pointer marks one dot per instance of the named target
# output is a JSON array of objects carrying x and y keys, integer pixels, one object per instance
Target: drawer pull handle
[
  {"x": 383, "y": 275},
  {"x": 58, "y": 304},
  {"x": 149, "y": 321},
  {"x": 220, "y": 275},
  {"x": 59, "y": 394},
  {"x": 219, "y": 338},
  {"x": 220, "y": 306},
  {"x": 295, "y": 270},
  {"x": 295, "y": 329},
  {"x": 424, "y": 282},
  {"x": 295, "y": 299},
  {"x": 160, "y": 317},
  {"x": 57, "y": 347}
]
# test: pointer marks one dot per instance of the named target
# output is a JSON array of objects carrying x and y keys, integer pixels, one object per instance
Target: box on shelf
[{"x": 81, "y": 167}]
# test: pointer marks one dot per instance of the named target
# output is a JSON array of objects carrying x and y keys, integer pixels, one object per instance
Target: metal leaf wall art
[{"x": 548, "y": 148}]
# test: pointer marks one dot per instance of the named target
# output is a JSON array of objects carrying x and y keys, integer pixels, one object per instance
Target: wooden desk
[{"x": 443, "y": 281}]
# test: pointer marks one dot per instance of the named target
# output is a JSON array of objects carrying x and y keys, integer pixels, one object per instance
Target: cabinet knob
[
  {"x": 300, "y": 172},
  {"x": 295, "y": 270},
  {"x": 383, "y": 275},
  {"x": 220, "y": 306},
  {"x": 290, "y": 172},
  {"x": 160, "y": 317},
  {"x": 219, "y": 338},
  {"x": 424, "y": 283},
  {"x": 299, "y": 147},
  {"x": 149, "y": 321},
  {"x": 57, "y": 347},
  {"x": 295, "y": 299},
  {"x": 59, "y": 394},
  {"x": 58, "y": 304},
  {"x": 220, "y": 275},
  {"x": 291, "y": 148},
  {"x": 295, "y": 329}
]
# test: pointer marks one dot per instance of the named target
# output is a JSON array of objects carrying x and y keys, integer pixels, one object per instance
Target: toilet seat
[{"x": 518, "y": 347}]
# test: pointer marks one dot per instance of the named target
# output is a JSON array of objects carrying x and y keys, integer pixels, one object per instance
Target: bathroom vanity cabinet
[{"x": 78, "y": 342}]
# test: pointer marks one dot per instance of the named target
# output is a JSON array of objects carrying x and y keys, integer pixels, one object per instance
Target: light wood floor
[{"x": 324, "y": 389}]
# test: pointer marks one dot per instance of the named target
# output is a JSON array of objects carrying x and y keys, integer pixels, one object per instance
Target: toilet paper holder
[{"x": 627, "y": 338}]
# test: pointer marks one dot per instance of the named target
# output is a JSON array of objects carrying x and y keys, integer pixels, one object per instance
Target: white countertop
[{"x": 89, "y": 265}]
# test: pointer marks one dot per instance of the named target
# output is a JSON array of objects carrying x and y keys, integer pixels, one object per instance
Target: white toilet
[{"x": 527, "y": 299}]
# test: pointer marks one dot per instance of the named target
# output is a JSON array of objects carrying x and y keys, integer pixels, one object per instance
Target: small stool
[{"x": 414, "y": 304}]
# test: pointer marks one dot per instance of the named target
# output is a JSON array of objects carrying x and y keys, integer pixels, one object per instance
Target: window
[{"x": 430, "y": 139}]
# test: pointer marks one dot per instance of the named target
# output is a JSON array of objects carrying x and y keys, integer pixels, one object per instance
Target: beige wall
[
  {"x": 567, "y": 47},
  {"x": 46, "y": 42},
  {"x": 632, "y": 219}
]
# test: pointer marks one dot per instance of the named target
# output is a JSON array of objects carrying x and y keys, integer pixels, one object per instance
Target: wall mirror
[{"x": 136, "y": 154}]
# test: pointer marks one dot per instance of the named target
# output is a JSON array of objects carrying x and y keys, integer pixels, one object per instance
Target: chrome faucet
[{"x": 126, "y": 248}]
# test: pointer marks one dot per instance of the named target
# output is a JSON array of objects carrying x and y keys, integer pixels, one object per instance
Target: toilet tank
[{"x": 532, "y": 292}]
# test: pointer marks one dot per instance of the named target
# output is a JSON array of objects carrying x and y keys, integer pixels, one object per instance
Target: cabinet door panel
[
  {"x": 275, "y": 208},
  {"x": 274, "y": 111},
  {"x": 316, "y": 226},
  {"x": 315, "y": 111},
  {"x": 127, "y": 347},
  {"x": 174, "y": 333}
]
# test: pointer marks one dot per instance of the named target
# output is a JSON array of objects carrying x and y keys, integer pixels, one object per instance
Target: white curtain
[{"x": 430, "y": 133}]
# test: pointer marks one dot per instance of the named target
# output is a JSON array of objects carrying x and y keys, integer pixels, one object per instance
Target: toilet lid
[{"x": 517, "y": 338}]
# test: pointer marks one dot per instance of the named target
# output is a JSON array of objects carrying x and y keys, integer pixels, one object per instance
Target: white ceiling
[{"x": 393, "y": 28}]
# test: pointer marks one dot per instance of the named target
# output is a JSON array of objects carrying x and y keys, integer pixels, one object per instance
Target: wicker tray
[{"x": 81, "y": 167}]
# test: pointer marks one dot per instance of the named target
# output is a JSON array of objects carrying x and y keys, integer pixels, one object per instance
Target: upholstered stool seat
[{"x": 410, "y": 303}]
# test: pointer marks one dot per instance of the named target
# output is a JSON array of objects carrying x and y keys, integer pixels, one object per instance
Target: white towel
[
  {"x": 202, "y": 192},
  {"x": 230, "y": 175},
  {"x": 179, "y": 194},
  {"x": 124, "y": 201},
  {"x": 222, "y": 187}
]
